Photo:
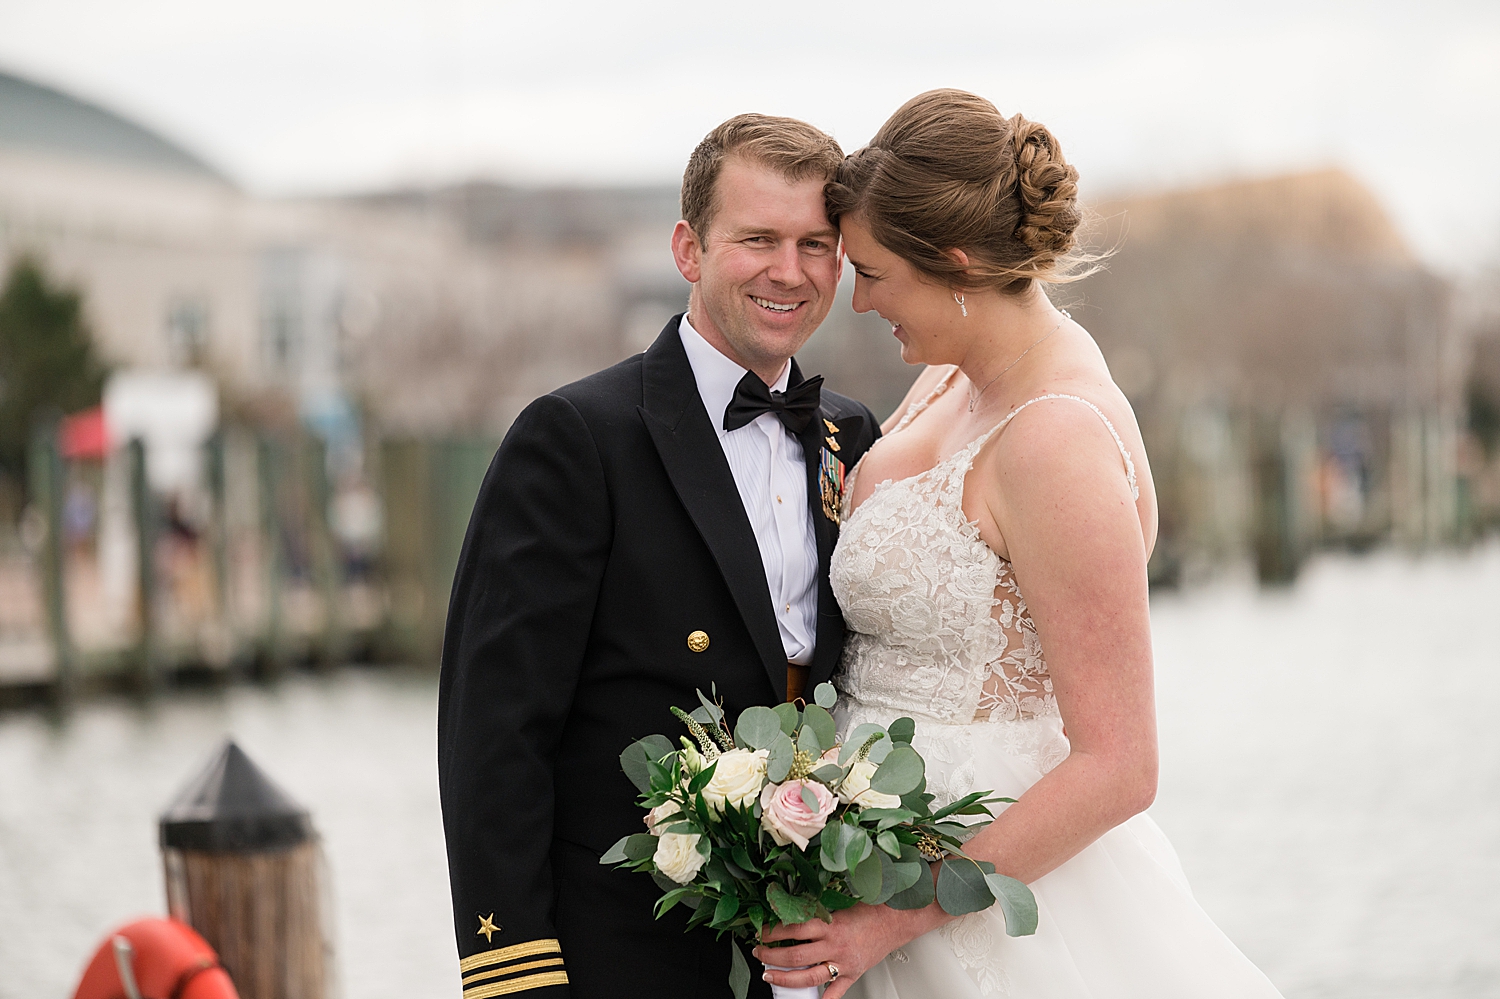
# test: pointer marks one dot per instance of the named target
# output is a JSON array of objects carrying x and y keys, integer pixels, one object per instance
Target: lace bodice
[{"x": 937, "y": 624}]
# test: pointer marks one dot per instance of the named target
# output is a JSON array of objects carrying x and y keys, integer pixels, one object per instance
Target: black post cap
[{"x": 233, "y": 806}]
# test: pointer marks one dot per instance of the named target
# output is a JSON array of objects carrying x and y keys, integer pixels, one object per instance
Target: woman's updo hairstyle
[{"x": 947, "y": 172}]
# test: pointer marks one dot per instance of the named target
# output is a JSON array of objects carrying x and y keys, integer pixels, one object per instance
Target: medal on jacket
[{"x": 831, "y": 477}]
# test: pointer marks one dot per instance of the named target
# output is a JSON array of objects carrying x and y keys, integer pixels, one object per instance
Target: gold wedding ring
[{"x": 833, "y": 972}]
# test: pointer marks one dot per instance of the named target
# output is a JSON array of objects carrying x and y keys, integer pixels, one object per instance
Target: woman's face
[{"x": 923, "y": 314}]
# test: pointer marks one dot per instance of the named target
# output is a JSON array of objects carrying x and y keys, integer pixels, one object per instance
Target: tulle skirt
[{"x": 1118, "y": 921}]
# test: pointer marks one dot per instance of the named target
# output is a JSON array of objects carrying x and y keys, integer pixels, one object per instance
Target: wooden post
[
  {"x": 243, "y": 868},
  {"x": 143, "y": 510},
  {"x": 326, "y": 569},
  {"x": 218, "y": 541},
  {"x": 48, "y": 484},
  {"x": 268, "y": 467}
]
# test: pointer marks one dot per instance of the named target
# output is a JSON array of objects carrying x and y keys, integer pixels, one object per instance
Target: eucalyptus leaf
[
  {"x": 825, "y": 696},
  {"x": 715, "y": 713},
  {"x": 904, "y": 875},
  {"x": 639, "y": 846},
  {"x": 821, "y": 722},
  {"x": 1016, "y": 902},
  {"x": 757, "y": 728},
  {"x": 901, "y": 773},
  {"x": 919, "y": 895},
  {"x": 902, "y": 730},
  {"x": 779, "y": 762},
  {"x": 702, "y": 716},
  {"x": 828, "y": 774},
  {"x": 857, "y": 738},
  {"x": 833, "y": 843},
  {"x": 616, "y": 854},
  {"x": 887, "y": 841},
  {"x": 866, "y": 880},
  {"x": 961, "y": 887},
  {"x": 809, "y": 799},
  {"x": 920, "y": 800},
  {"x": 739, "y": 971},
  {"x": 638, "y": 756},
  {"x": 857, "y": 847},
  {"x": 881, "y": 750},
  {"x": 807, "y": 739},
  {"x": 789, "y": 716},
  {"x": 893, "y": 877}
]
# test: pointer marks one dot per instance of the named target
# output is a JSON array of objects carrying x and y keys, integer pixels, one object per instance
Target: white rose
[
  {"x": 737, "y": 778},
  {"x": 855, "y": 789},
  {"x": 677, "y": 856}
]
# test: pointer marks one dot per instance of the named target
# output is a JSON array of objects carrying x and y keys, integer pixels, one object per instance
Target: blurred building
[{"x": 1300, "y": 378}]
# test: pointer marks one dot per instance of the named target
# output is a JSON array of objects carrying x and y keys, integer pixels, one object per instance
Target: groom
[{"x": 655, "y": 528}]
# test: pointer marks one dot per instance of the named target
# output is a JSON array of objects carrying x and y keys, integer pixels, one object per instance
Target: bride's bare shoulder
[{"x": 920, "y": 389}]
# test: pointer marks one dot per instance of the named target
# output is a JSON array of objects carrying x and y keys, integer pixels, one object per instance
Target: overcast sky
[{"x": 293, "y": 96}]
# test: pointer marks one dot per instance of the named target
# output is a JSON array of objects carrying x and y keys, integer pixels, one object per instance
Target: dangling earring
[{"x": 961, "y": 306}]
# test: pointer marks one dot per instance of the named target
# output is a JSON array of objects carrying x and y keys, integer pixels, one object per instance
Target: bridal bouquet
[{"x": 777, "y": 821}]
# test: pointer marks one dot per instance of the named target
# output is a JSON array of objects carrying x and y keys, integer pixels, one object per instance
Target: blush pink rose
[{"x": 786, "y": 816}]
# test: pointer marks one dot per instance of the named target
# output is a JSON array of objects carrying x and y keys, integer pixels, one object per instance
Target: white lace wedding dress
[{"x": 939, "y": 631}]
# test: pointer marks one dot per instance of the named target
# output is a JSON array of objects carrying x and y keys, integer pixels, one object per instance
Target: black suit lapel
[{"x": 690, "y": 451}]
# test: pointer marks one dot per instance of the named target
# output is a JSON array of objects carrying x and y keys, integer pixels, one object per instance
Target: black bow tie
[{"x": 795, "y": 407}]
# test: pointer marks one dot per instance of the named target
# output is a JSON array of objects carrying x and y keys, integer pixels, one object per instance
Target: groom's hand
[{"x": 858, "y": 939}]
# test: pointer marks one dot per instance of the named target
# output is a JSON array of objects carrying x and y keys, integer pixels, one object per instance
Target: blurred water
[{"x": 1331, "y": 777}]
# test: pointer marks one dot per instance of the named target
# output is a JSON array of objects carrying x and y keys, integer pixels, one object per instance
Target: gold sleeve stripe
[
  {"x": 510, "y": 985},
  {"x": 510, "y": 953},
  {"x": 511, "y": 969}
]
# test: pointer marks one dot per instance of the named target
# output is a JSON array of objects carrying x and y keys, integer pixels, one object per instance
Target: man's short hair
[{"x": 795, "y": 148}]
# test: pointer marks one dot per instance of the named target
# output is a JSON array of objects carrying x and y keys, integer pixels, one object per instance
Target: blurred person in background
[
  {"x": 1009, "y": 510},
  {"x": 655, "y": 529}
]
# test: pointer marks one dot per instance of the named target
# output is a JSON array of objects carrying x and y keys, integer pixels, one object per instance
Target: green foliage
[
  {"x": 748, "y": 882},
  {"x": 901, "y": 772},
  {"x": 739, "y": 972},
  {"x": 47, "y": 360},
  {"x": 757, "y": 728},
  {"x": 961, "y": 888},
  {"x": 1016, "y": 902}
]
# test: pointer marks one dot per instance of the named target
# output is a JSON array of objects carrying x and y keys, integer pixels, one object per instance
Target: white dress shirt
[{"x": 768, "y": 468}]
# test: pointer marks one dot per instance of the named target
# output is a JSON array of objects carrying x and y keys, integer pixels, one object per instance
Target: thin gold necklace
[{"x": 974, "y": 399}]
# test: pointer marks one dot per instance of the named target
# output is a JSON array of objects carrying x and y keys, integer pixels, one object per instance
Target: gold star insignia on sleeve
[{"x": 487, "y": 927}]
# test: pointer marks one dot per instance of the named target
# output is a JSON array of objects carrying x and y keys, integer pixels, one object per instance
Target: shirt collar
[{"x": 717, "y": 375}]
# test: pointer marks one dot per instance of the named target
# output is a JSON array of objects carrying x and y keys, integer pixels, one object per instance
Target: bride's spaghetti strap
[
  {"x": 1135, "y": 489},
  {"x": 916, "y": 408}
]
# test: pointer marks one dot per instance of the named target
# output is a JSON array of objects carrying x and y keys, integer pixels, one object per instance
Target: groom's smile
[{"x": 766, "y": 268}]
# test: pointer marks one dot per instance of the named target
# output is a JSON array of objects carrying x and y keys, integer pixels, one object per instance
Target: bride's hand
[{"x": 858, "y": 939}]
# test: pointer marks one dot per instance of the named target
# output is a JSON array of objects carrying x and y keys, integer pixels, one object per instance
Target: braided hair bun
[{"x": 946, "y": 172}]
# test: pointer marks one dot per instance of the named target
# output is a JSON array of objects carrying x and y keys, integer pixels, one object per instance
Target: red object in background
[
  {"x": 84, "y": 435},
  {"x": 169, "y": 960}
]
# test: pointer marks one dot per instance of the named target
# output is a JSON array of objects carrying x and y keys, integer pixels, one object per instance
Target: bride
[{"x": 992, "y": 571}]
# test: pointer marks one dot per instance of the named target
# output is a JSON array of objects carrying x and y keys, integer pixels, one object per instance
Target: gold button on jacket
[{"x": 698, "y": 641}]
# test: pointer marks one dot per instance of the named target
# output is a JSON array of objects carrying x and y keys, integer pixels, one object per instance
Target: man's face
[{"x": 765, "y": 276}]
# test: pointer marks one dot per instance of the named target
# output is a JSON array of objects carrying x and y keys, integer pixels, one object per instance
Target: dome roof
[{"x": 37, "y": 117}]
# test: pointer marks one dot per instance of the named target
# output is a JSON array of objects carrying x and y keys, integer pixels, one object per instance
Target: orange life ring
[{"x": 167, "y": 959}]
